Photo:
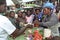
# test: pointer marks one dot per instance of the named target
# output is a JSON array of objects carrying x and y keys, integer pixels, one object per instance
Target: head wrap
[{"x": 49, "y": 5}]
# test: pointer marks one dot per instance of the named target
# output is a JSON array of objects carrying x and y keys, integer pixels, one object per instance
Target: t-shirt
[
  {"x": 29, "y": 19},
  {"x": 6, "y": 28}
]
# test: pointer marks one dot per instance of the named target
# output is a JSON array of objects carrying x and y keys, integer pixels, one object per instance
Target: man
[
  {"x": 6, "y": 27},
  {"x": 50, "y": 19},
  {"x": 18, "y": 7},
  {"x": 38, "y": 14}
]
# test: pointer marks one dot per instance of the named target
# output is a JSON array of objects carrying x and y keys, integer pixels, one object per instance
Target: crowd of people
[
  {"x": 14, "y": 26},
  {"x": 36, "y": 16}
]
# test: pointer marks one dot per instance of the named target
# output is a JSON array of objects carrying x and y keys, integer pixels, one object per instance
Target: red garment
[{"x": 37, "y": 36}]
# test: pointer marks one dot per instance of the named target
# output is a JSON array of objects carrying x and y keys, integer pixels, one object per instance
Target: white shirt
[
  {"x": 6, "y": 28},
  {"x": 29, "y": 19}
]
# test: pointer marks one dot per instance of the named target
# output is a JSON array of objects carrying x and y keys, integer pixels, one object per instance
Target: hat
[
  {"x": 2, "y": 2},
  {"x": 49, "y": 5}
]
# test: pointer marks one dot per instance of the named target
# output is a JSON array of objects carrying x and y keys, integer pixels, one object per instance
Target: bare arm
[{"x": 18, "y": 32}]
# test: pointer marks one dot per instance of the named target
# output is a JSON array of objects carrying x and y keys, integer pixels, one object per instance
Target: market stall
[{"x": 28, "y": 33}]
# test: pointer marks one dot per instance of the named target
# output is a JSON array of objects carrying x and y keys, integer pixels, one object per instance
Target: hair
[
  {"x": 18, "y": 12},
  {"x": 2, "y": 2},
  {"x": 37, "y": 9},
  {"x": 11, "y": 12},
  {"x": 48, "y": 8},
  {"x": 30, "y": 12},
  {"x": 17, "y": 5}
]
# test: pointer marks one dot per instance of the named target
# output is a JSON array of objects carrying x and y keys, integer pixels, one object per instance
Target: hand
[{"x": 29, "y": 26}]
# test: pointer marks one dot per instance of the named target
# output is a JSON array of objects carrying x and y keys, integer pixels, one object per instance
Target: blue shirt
[{"x": 39, "y": 16}]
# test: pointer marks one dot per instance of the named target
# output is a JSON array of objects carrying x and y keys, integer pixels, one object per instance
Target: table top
[{"x": 23, "y": 36}]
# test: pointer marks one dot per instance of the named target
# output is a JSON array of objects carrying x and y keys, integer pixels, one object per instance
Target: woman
[
  {"x": 21, "y": 18},
  {"x": 12, "y": 17}
]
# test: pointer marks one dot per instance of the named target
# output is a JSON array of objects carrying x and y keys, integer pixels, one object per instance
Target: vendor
[{"x": 50, "y": 19}]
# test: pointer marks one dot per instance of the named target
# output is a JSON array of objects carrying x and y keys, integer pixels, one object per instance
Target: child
[{"x": 29, "y": 17}]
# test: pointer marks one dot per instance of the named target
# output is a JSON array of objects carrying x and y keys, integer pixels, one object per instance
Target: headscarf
[{"x": 49, "y": 5}]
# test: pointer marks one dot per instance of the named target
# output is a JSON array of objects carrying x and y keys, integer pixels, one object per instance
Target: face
[
  {"x": 20, "y": 14},
  {"x": 37, "y": 11},
  {"x": 28, "y": 12},
  {"x": 46, "y": 11},
  {"x": 24, "y": 15},
  {"x": 3, "y": 8},
  {"x": 12, "y": 14}
]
